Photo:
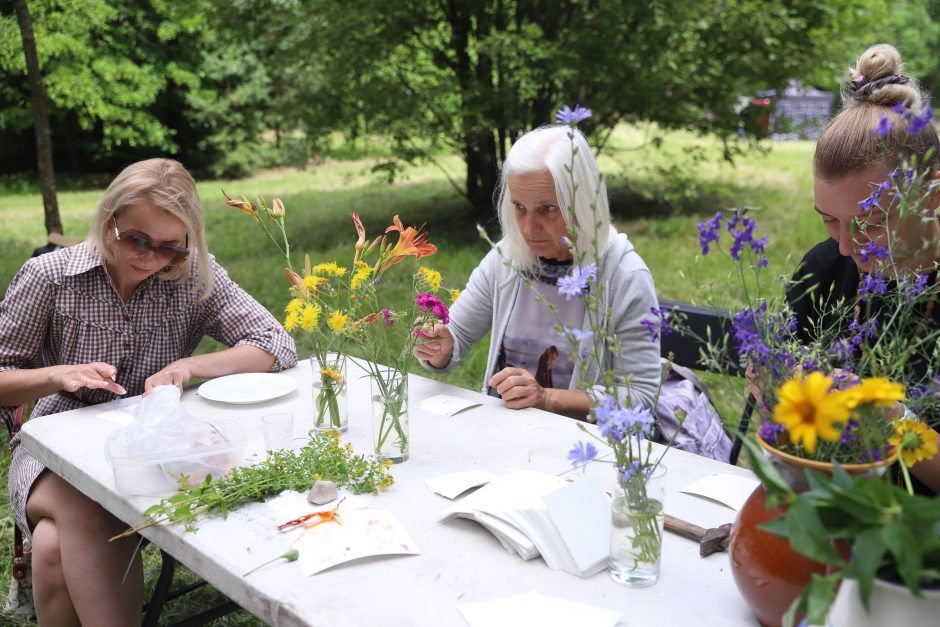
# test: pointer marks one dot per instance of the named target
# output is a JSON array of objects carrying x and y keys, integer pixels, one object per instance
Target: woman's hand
[
  {"x": 177, "y": 373},
  {"x": 94, "y": 376},
  {"x": 519, "y": 389},
  {"x": 435, "y": 345}
]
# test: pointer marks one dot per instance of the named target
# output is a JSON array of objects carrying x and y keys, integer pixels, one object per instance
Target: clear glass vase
[
  {"x": 390, "y": 414},
  {"x": 636, "y": 531},
  {"x": 329, "y": 393}
]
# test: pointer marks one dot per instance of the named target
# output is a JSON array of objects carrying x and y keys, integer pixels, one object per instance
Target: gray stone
[{"x": 322, "y": 493}]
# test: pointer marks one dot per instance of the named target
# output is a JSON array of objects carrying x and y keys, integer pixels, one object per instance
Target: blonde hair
[
  {"x": 167, "y": 185},
  {"x": 849, "y": 144},
  {"x": 549, "y": 148}
]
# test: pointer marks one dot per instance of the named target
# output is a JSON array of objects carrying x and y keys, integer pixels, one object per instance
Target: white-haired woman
[
  {"x": 529, "y": 364},
  {"x": 118, "y": 314}
]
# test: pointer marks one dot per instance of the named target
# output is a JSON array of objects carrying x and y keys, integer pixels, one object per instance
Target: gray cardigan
[{"x": 488, "y": 299}]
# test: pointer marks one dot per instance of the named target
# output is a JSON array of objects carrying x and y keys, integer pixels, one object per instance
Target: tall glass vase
[
  {"x": 329, "y": 393},
  {"x": 390, "y": 414},
  {"x": 636, "y": 533}
]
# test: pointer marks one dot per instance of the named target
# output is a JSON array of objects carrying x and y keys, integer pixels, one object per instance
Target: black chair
[{"x": 708, "y": 323}]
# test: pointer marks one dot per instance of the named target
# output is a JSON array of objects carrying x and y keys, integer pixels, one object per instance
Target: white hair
[{"x": 550, "y": 148}]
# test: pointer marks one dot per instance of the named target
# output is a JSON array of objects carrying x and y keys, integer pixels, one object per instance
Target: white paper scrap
[
  {"x": 446, "y": 405},
  {"x": 580, "y": 512},
  {"x": 730, "y": 490},
  {"x": 534, "y": 608},
  {"x": 456, "y": 483}
]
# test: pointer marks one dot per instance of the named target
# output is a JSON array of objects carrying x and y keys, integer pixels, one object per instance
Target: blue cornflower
[
  {"x": 708, "y": 231},
  {"x": 631, "y": 471},
  {"x": 770, "y": 430},
  {"x": 578, "y": 334},
  {"x": 575, "y": 283},
  {"x": 872, "y": 250},
  {"x": 884, "y": 125},
  {"x": 872, "y": 283},
  {"x": 920, "y": 122},
  {"x": 566, "y": 116},
  {"x": 582, "y": 453}
]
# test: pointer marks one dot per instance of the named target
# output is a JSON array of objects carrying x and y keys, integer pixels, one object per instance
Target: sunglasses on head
[{"x": 142, "y": 244}]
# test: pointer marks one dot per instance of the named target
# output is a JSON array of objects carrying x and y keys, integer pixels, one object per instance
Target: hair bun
[{"x": 877, "y": 78}]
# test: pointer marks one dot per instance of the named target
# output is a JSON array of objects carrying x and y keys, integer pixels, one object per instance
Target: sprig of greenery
[{"x": 323, "y": 457}]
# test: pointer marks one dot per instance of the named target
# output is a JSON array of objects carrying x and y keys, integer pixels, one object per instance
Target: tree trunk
[
  {"x": 482, "y": 173},
  {"x": 40, "y": 120}
]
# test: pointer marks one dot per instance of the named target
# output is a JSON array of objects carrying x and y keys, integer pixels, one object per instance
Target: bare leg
[
  {"x": 50, "y": 594},
  {"x": 78, "y": 529}
]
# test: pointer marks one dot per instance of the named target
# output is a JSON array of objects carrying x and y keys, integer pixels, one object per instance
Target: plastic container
[{"x": 155, "y": 474}]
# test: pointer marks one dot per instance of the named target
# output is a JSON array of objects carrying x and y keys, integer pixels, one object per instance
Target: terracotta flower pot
[{"x": 769, "y": 574}]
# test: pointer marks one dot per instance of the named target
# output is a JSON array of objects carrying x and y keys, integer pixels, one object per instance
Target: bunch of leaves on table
[
  {"x": 323, "y": 457},
  {"x": 889, "y": 531}
]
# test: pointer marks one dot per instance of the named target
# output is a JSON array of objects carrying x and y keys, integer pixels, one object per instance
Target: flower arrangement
[
  {"x": 340, "y": 307},
  {"x": 890, "y": 532}
]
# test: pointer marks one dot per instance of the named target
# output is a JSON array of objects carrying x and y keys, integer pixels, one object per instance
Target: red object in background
[{"x": 768, "y": 573}]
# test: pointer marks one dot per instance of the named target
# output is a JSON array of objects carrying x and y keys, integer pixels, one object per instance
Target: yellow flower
[
  {"x": 362, "y": 273},
  {"x": 877, "y": 391},
  {"x": 431, "y": 277},
  {"x": 329, "y": 268},
  {"x": 312, "y": 283},
  {"x": 333, "y": 374},
  {"x": 454, "y": 295},
  {"x": 337, "y": 321},
  {"x": 291, "y": 322},
  {"x": 294, "y": 306},
  {"x": 915, "y": 441},
  {"x": 808, "y": 409},
  {"x": 309, "y": 317}
]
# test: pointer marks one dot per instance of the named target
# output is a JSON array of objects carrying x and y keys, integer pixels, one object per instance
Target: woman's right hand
[
  {"x": 435, "y": 345},
  {"x": 94, "y": 376}
]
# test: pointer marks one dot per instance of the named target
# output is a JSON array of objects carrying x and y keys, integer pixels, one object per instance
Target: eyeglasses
[{"x": 142, "y": 244}]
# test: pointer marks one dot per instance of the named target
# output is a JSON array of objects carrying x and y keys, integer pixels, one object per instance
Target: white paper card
[
  {"x": 121, "y": 415},
  {"x": 580, "y": 512},
  {"x": 363, "y": 533},
  {"x": 456, "y": 483},
  {"x": 446, "y": 405},
  {"x": 534, "y": 608},
  {"x": 730, "y": 490}
]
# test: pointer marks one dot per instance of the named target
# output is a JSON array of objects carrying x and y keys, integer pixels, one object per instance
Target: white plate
[{"x": 251, "y": 387}]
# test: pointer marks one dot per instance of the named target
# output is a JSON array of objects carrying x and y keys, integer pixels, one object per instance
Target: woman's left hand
[
  {"x": 177, "y": 373},
  {"x": 518, "y": 388}
]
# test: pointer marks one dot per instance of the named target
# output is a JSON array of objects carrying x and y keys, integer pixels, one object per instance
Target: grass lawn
[{"x": 777, "y": 184}]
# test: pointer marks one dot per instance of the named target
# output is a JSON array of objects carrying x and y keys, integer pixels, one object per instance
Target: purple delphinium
[
  {"x": 387, "y": 317},
  {"x": 578, "y": 334},
  {"x": 741, "y": 227},
  {"x": 433, "y": 304},
  {"x": 920, "y": 284},
  {"x": 571, "y": 117},
  {"x": 582, "y": 453},
  {"x": 849, "y": 432},
  {"x": 872, "y": 283},
  {"x": 920, "y": 122},
  {"x": 770, "y": 430},
  {"x": 862, "y": 331},
  {"x": 872, "y": 250},
  {"x": 575, "y": 283},
  {"x": 884, "y": 125},
  {"x": 658, "y": 326},
  {"x": 752, "y": 330},
  {"x": 708, "y": 231}
]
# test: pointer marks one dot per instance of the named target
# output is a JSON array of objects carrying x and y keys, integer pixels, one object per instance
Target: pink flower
[
  {"x": 387, "y": 318},
  {"x": 433, "y": 304}
]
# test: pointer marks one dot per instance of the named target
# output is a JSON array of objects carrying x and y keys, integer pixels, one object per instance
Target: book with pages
[{"x": 535, "y": 513}]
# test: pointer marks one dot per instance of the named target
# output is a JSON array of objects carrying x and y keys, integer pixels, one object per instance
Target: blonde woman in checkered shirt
[{"x": 118, "y": 314}]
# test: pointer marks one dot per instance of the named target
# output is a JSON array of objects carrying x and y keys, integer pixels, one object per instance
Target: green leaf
[
  {"x": 765, "y": 471},
  {"x": 868, "y": 550},
  {"x": 906, "y": 552},
  {"x": 807, "y": 534}
]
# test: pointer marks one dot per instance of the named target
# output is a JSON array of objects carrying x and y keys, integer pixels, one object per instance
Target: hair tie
[{"x": 861, "y": 88}]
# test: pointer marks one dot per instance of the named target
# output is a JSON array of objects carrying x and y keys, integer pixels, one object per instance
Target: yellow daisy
[
  {"x": 313, "y": 282},
  {"x": 309, "y": 317},
  {"x": 337, "y": 321},
  {"x": 808, "y": 409},
  {"x": 329, "y": 268},
  {"x": 294, "y": 306},
  {"x": 291, "y": 322},
  {"x": 333, "y": 374},
  {"x": 454, "y": 295},
  {"x": 362, "y": 273},
  {"x": 432, "y": 278},
  {"x": 915, "y": 440},
  {"x": 877, "y": 391}
]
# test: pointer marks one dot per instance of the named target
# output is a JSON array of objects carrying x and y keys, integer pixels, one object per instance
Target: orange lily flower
[
  {"x": 244, "y": 205},
  {"x": 411, "y": 241},
  {"x": 361, "y": 232}
]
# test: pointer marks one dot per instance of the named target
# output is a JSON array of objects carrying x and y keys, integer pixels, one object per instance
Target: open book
[{"x": 535, "y": 513}]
